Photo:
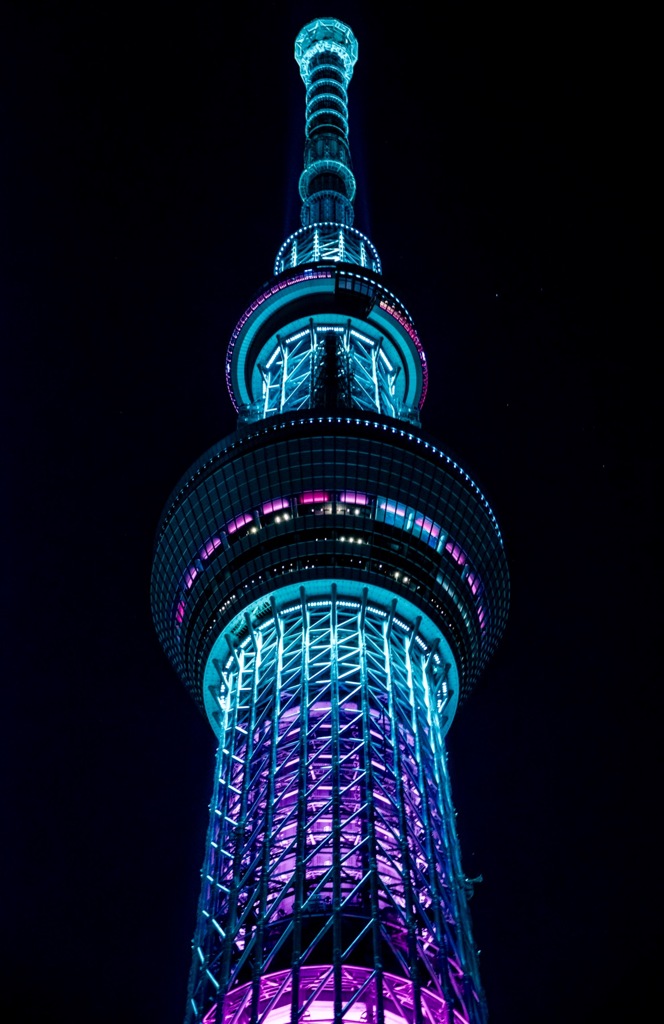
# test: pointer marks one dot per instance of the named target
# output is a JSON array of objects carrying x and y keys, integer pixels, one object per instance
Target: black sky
[{"x": 505, "y": 161}]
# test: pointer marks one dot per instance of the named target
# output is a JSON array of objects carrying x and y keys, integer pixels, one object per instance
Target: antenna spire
[{"x": 326, "y": 52}]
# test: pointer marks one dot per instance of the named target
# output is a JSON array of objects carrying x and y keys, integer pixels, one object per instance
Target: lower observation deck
[{"x": 297, "y": 506}]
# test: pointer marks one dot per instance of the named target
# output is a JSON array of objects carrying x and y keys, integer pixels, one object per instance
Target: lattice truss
[
  {"x": 365, "y": 377},
  {"x": 332, "y": 838}
]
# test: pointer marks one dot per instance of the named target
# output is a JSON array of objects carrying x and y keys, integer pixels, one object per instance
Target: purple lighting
[
  {"x": 408, "y": 327},
  {"x": 457, "y": 554},
  {"x": 474, "y": 582},
  {"x": 209, "y": 547},
  {"x": 190, "y": 576},
  {"x": 275, "y": 505},
  {"x": 239, "y": 522},
  {"x": 316, "y": 992},
  {"x": 428, "y": 526},
  {"x": 393, "y": 508},
  {"x": 313, "y": 497}
]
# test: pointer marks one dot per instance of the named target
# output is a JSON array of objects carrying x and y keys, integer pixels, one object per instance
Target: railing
[{"x": 327, "y": 241}]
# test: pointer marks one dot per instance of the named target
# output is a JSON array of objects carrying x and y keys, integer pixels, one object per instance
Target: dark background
[{"x": 505, "y": 160}]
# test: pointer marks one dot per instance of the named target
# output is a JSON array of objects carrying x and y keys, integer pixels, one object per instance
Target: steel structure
[{"x": 328, "y": 584}]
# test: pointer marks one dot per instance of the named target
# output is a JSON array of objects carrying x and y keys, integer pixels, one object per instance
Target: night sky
[{"x": 505, "y": 161}]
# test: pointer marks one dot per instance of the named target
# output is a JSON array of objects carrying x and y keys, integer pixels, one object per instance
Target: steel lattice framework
[
  {"x": 297, "y": 372},
  {"x": 329, "y": 584},
  {"x": 326, "y": 832}
]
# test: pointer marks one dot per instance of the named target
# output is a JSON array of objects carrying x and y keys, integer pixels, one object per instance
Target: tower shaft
[{"x": 330, "y": 826}]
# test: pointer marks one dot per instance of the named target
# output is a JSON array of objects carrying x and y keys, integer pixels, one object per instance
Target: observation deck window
[{"x": 345, "y": 503}]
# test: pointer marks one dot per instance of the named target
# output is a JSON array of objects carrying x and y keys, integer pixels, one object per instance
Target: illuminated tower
[{"x": 328, "y": 585}]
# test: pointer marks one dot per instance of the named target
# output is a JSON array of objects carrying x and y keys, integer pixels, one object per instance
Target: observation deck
[{"x": 294, "y": 504}]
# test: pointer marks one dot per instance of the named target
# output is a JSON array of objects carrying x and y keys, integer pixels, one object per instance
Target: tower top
[
  {"x": 326, "y": 52},
  {"x": 321, "y": 36}
]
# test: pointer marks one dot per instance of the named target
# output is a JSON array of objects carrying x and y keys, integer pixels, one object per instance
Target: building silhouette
[{"x": 329, "y": 584}]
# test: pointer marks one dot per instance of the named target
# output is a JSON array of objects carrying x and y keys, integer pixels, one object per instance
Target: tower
[{"x": 328, "y": 585}]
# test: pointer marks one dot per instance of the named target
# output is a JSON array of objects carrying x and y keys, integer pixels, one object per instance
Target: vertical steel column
[
  {"x": 369, "y": 822},
  {"x": 259, "y": 955},
  {"x": 336, "y": 810},
  {"x": 301, "y": 833},
  {"x": 403, "y": 827}
]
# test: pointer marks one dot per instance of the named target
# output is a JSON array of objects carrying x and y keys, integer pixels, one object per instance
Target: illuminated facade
[{"x": 328, "y": 585}]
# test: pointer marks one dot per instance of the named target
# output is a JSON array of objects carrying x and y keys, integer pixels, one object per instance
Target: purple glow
[
  {"x": 456, "y": 976},
  {"x": 408, "y": 327},
  {"x": 457, "y": 554},
  {"x": 316, "y": 988},
  {"x": 428, "y": 526},
  {"x": 275, "y": 505},
  {"x": 190, "y": 576},
  {"x": 354, "y": 498},
  {"x": 393, "y": 508},
  {"x": 179, "y": 613},
  {"x": 313, "y": 497},
  {"x": 209, "y": 547},
  {"x": 474, "y": 582},
  {"x": 239, "y": 521}
]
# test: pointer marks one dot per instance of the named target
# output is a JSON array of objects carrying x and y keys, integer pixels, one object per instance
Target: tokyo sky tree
[{"x": 328, "y": 584}]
